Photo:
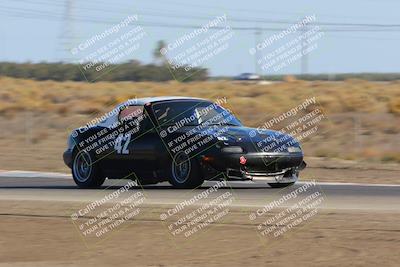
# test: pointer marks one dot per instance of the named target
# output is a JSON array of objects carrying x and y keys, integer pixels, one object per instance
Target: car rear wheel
[
  {"x": 85, "y": 171},
  {"x": 280, "y": 185},
  {"x": 185, "y": 172}
]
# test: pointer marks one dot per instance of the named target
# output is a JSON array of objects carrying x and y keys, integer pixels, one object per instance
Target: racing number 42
[{"x": 121, "y": 144}]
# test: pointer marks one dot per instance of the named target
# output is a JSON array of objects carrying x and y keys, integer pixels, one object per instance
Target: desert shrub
[{"x": 394, "y": 105}]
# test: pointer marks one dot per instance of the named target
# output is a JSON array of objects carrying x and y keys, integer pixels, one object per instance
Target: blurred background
[{"x": 51, "y": 83}]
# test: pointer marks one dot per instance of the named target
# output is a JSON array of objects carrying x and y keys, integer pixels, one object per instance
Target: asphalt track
[{"x": 336, "y": 196}]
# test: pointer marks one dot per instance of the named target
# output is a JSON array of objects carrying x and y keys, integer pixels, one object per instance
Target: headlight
[
  {"x": 294, "y": 149},
  {"x": 232, "y": 149}
]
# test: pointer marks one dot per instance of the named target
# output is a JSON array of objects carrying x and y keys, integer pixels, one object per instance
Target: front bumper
[
  {"x": 284, "y": 176},
  {"x": 260, "y": 166},
  {"x": 67, "y": 157}
]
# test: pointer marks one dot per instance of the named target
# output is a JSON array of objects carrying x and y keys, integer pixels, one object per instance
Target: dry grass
[
  {"x": 77, "y": 97},
  {"x": 362, "y": 118}
]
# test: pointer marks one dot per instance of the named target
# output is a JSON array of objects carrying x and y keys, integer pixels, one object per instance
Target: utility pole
[
  {"x": 304, "y": 53},
  {"x": 257, "y": 35}
]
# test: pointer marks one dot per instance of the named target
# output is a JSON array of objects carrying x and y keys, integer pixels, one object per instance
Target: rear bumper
[{"x": 67, "y": 157}]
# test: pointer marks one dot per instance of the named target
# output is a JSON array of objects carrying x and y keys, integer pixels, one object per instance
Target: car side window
[
  {"x": 130, "y": 113},
  {"x": 133, "y": 118}
]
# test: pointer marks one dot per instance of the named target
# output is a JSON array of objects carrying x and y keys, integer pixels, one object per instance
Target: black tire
[
  {"x": 280, "y": 185},
  {"x": 185, "y": 172},
  {"x": 86, "y": 174}
]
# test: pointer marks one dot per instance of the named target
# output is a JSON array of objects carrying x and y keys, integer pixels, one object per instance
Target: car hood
[{"x": 252, "y": 139}]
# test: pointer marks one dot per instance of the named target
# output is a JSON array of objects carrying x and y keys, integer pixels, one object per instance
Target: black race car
[{"x": 181, "y": 140}]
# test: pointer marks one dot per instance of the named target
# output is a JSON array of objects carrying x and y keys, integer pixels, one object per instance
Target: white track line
[
  {"x": 356, "y": 184},
  {"x": 33, "y": 174}
]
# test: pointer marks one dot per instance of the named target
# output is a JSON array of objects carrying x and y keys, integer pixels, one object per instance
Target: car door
[{"x": 138, "y": 147}]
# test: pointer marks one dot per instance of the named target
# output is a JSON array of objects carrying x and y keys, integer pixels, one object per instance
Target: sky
[{"x": 358, "y": 36}]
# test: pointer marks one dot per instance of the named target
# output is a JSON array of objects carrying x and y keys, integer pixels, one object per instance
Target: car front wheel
[{"x": 185, "y": 172}]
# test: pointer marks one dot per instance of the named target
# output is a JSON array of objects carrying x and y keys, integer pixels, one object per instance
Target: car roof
[
  {"x": 142, "y": 101},
  {"x": 145, "y": 100}
]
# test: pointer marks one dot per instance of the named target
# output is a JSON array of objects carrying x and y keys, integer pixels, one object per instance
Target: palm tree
[{"x": 159, "y": 57}]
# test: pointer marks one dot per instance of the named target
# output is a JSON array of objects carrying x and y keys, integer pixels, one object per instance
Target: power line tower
[{"x": 66, "y": 36}]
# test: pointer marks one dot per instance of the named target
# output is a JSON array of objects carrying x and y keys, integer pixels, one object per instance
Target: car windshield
[{"x": 193, "y": 113}]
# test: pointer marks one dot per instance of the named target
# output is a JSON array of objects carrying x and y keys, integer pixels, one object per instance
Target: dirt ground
[
  {"x": 348, "y": 171},
  {"x": 42, "y": 234}
]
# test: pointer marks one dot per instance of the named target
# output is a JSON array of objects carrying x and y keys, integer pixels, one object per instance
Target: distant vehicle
[
  {"x": 180, "y": 140},
  {"x": 247, "y": 77}
]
